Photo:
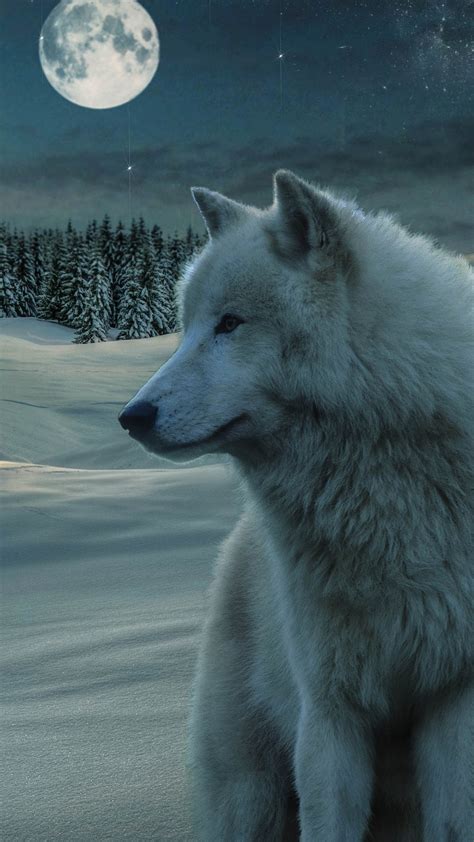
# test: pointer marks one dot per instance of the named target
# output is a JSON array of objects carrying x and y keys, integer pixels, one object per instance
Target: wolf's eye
[{"x": 228, "y": 323}]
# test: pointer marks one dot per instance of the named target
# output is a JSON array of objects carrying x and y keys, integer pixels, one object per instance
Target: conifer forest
[{"x": 106, "y": 277}]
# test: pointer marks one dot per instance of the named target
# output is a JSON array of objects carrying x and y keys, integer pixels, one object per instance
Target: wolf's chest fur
[
  {"x": 373, "y": 601},
  {"x": 367, "y": 642}
]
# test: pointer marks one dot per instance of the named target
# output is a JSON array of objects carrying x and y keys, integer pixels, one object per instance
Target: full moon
[{"x": 99, "y": 53}]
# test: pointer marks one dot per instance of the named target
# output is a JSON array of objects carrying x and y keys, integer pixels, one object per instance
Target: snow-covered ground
[{"x": 107, "y": 554}]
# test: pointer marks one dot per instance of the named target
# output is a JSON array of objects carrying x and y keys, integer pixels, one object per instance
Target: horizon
[{"x": 82, "y": 228}]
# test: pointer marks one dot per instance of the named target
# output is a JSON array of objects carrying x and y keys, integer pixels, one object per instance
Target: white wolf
[{"x": 330, "y": 353}]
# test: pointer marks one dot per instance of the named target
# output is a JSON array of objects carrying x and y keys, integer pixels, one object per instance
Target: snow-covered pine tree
[
  {"x": 177, "y": 254},
  {"x": 4, "y": 231},
  {"x": 70, "y": 235},
  {"x": 81, "y": 290},
  {"x": 39, "y": 256},
  {"x": 25, "y": 278},
  {"x": 92, "y": 297},
  {"x": 189, "y": 243},
  {"x": 134, "y": 241},
  {"x": 50, "y": 238},
  {"x": 135, "y": 313},
  {"x": 157, "y": 240},
  {"x": 91, "y": 326},
  {"x": 106, "y": 238},
  {"x": 12, "y": 249},
  {"x": 120, "y": 251},
  {"x": 91, "y": 233},
  {"x": 67, "y": 276},
  {"x": 155, "y": 298},
  {"x": 142, "y": 230},
  {"x": 73, "y": 291},
  {"x": 166, "y": 285},
  {"x": 49, "y": 302},
  {"x": 100, "y": 284},
  {"x": 106, "y": 243},
  {"x": 8, "y": 285}
]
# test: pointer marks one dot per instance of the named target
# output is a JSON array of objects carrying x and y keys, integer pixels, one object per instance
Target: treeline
[{"x": 91, "y": 281}]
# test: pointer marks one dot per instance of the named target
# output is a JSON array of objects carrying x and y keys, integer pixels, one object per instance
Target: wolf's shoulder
[{"x": 241, "y": 557}]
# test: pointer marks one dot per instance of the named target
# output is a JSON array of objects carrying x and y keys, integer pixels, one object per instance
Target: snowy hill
[
  {"x": 60, "y": 401},
  {"x": 107, "y": 555}
]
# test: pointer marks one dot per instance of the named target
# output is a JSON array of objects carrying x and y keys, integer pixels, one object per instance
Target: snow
[{"x": 107, "y": 555}]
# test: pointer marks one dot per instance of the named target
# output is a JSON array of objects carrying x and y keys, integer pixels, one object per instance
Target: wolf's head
[{"x": 264, "y": 317}]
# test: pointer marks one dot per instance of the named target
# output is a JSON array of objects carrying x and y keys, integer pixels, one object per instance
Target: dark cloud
[
  {"x": 431, "y": 148},
  {"x": 425, "y": 178}
]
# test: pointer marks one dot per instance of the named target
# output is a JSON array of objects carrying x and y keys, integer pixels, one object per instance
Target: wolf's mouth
[{"x": 217, "y": 434}]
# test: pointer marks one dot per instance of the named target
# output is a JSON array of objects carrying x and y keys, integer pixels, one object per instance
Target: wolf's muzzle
[{"x": 138, "y": 418}]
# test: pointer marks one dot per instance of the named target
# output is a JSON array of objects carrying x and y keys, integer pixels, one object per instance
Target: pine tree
[
  {"x": 155, "y": 299},
  {"x": 120, "y": 250},
  {"x": 8, "y": 286},
  {"x": 135, "y": 315},
  {"x": 100, "y": 285},
  {"x": 12, "y": 251},
  {"x": 51, "y": 238},
  {"x": 91, "y": 233},
  {"x": 67, "y": 277},
  {"x": 157, "y": 240},
  {"x": 166, "y": 284},
  {"x": 25, "y": 278},
  {"x": 73, "y": 284},
  {"x": 49, "y": 303},
  {"x": 189, "y": 243},
  {"x": 106, "y": 244},
  {"x": 80, "y": 286},
  {"x": 176, "y": 254},
  {"x": 93, "y": 296},
  {"x": 38, "y": 250},
  {"x": 70, "y": 235},
  {"x": 135, "y": 241},
  {"x": 91, "y": 326},
  {"x": 142, "y": 229}
]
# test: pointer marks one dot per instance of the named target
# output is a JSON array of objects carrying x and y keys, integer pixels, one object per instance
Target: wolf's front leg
[
  {"x": 334, "y": 776},
  {"x": 444, "y": 755},
  {"x": 239, "y": 780}
]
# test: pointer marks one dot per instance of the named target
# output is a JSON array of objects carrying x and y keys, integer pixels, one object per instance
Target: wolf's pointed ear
[
  {"x": 217, "y": 210},
  {"x": 306, "y": 221}
]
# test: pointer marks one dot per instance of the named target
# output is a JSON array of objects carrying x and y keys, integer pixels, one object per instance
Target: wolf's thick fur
[{"x": 336, "y": 670}]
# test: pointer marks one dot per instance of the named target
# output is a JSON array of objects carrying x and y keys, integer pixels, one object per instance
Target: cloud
[{"x": 425, "y": 178}]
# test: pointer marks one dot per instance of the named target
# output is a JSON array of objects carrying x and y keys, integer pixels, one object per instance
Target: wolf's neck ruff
[
  {"x": 349, "y": 498},
  {"x": 346, "y": 489}
]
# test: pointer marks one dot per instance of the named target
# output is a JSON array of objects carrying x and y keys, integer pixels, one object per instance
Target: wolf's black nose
[{"x": 138, "y": 418}]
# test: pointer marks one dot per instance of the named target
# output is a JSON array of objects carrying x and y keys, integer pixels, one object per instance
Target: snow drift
[{"x": 107, "y": 554}]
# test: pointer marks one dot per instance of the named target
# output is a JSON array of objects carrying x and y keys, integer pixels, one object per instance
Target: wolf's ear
[
  {"x": 217, "y": 210},
  {"x": 306, "y": 221}
]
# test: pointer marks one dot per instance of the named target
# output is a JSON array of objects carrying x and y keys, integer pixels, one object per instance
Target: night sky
[{"x": 376, "y": 100}]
